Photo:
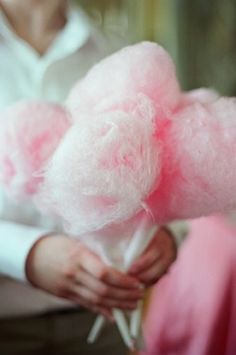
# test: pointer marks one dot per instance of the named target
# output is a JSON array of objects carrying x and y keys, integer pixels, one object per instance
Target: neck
[
  {"x": 35, "y": 20},
  {"x": 43, "y": 14}
]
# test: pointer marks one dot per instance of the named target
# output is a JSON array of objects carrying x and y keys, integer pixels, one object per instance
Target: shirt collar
[{"x": 73, "y": 36}]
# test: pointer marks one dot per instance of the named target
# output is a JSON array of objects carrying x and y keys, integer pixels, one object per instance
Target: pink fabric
[{"x": 193, "y": 308}]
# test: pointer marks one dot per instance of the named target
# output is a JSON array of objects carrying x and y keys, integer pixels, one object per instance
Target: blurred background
[{"x": 199, "y": 34}]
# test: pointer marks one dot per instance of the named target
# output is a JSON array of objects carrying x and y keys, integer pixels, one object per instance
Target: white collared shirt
[{"x": 25, "y": 74}]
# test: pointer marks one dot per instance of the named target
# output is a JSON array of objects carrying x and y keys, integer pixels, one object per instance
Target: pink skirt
[{"x": 193, "y": 308}]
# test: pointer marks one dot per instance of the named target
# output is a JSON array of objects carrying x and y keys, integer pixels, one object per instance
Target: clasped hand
[{"x": 66, "y": 268}]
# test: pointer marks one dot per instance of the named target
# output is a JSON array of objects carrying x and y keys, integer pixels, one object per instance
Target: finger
[
  {"x": 104, "y": 290},
  {"x": 161, "y": 245},
  {"x": 117, "y": 279},
  {"x": 145, "y": 261},
  {"x": 167, "y": 241},
  {"x": 93, "y": 265},
  {"x": 106, "y": 312},
  {"x": 154, "y": 273},
  {"x": 98, "y": 301}
]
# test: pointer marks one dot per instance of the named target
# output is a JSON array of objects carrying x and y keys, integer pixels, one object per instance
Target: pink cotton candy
[
  {"x": 103, "y": 169},
  {"x": 149, "y": 147},
  {"x": 199, "y": 174},
  {"x": 136, "y": 143},
  {"x": 109, "y": 161},
  {"x": 29, "y": 133},
  {"x": 177, "y": 167},
  {"x": 201, "y": 95},
  {"x": 145, "y": 68}
]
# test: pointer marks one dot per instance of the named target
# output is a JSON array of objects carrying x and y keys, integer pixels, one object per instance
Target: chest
[{"x": 22, "y": 77}]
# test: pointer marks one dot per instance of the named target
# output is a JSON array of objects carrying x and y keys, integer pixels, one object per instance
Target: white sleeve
[{"x": 16, "y": 240}]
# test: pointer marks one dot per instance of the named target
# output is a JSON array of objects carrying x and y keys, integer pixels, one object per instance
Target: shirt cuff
[{"x": 16, "y": 241}]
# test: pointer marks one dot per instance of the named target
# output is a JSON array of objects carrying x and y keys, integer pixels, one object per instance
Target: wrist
[{"x": 31, "y": 259}]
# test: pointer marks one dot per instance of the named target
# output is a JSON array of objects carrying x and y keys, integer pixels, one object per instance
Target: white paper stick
[
  {"x": 135, "y": 321},
  {"x": 138, "y": 243},
  {"x": 121, "y": 324},
  {"x": 123, "y": 328},
  {"x": 96, "y": 329},
  {"x": 140, "y": 342},
  {"x": 140, "y": 240},
  {"x": 120, "y": 320}
]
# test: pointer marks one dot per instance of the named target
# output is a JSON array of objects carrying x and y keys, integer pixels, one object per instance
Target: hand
[
  {"x": 66, "y": 268},
  {"x": 156, "y": 259}
]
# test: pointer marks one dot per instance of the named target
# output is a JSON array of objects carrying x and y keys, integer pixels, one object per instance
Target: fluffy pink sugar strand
[
  {"x": 108, "y": 179},
  {"x": 187, "y": 167},
  {"x": 199, "y": 162},
  {"x": 145, "y": 68},
  {"x": 194, "y": 171},
  {"x": 30, "y": 132},
  {"x": 102, "y": 170}
]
